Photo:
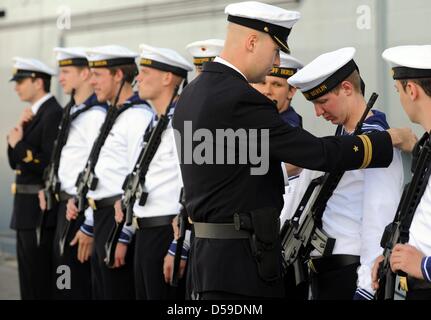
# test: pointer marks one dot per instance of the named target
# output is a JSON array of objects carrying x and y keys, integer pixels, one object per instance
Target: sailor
[
  {"x": 85, "y": 117},
  {"x": 30, "y": 145},
  {"x": 356, "y": 213},
  {"x": 204, "y": 51},
  {"x": 161, "y": 73},
  {"x": 113, "y": 71},
  {"x": 235, "y": 207},
  {"x": 411, "y": 70}
]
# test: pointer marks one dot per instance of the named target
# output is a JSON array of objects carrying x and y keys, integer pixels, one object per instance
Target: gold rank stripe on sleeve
[{"x": 368, "y": 151}]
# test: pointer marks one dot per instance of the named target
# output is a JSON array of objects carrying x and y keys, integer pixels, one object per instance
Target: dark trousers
[
  {"x": 189, "y": 289},
  {"x": 294, "y": 291},
  {"x": 189, "y": 293},
  {"x": 418, "y": 289},
  {"x": 80, "y": 284},
  {"x": 35, "y": 264},
  {"x": 152, "y": 245},
  {"x": 421, "y": 294},
  {"x": 338, "y": 284},
  {"x": 116, "y": 283}
]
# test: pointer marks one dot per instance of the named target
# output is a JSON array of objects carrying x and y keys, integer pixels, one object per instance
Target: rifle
[
  {"x": 50, "y": 174},
  {"x": 87, "y": 180},
  {"x": 183, "y": 225},
  {"x": 398, "y": 230},
  {"x": 299, "y": 238},
  {"x": 134, "y": 182}
]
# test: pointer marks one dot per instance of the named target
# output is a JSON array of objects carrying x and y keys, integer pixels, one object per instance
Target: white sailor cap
[
  {"x": 409, "y": 62},
  {"x": 71, "y": 56},
  {"x": 205, "y": 50},
  {"x": 164, "y": 59},
  {"x": 288, "y": 66},
  {"x": 325, "y": 72},
  {"x": 275, "y": 21},
  {"x": 110, "y": 56},
  {"x": 30, "y": 68}
]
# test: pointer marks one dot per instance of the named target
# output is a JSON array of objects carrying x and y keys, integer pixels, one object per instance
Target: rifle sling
[
  {"x": 422, "y": 183},
  {"x": 64, "y": 133},
  {"x": 113, "y": 114}
]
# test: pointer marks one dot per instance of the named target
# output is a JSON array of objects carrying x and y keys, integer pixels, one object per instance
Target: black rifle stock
[
  {"x": 50, "y": 175},
  {"x": 398, "y": 230},
  {"x": 86, "y": 179},
  {"x": 134, "y": 182},
  {"x": 299, "y": 238},
  {"x": 183, "y": 226}
]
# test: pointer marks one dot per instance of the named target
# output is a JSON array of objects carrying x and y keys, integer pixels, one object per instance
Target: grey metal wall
[{"x": 30, "y": 29}]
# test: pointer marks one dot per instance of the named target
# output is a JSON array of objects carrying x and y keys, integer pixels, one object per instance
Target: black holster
[{"x": 264, "y": 227}]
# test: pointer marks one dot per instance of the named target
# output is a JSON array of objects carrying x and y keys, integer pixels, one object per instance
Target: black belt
[
  {"x": 417, "y": 284},
  {"x": 219, "y": 231},
  {"x": 333, "y": 262},
  {"x": 103, "y": 203},
  {"x": 64, "y": 196},
  {"x": 26, "y": 188},
  {"x": 152, "y": 222}
]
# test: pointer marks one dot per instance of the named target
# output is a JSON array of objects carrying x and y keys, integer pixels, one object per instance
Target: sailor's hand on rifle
[
  {"x": 168, "y": 266},
  {"x": 71, "y": 210},
  {"x": 175, "y": 228},
  {"x": 403, "y": 138},
  {"x": 407, "y": 258},
  {"x": 85, "y": 245},
  {"x": 375, "y": 272},
  {"x": 42, "y": 200},
  {"x": 119, "y": 215},
  {"x": 26, "y": 116},
  {"x": 120, "y": 255}
]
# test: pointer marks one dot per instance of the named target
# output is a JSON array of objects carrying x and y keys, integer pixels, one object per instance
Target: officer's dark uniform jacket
[
  {"x": 29, "y": 158},
  {"x": 221, "y": 98}
]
